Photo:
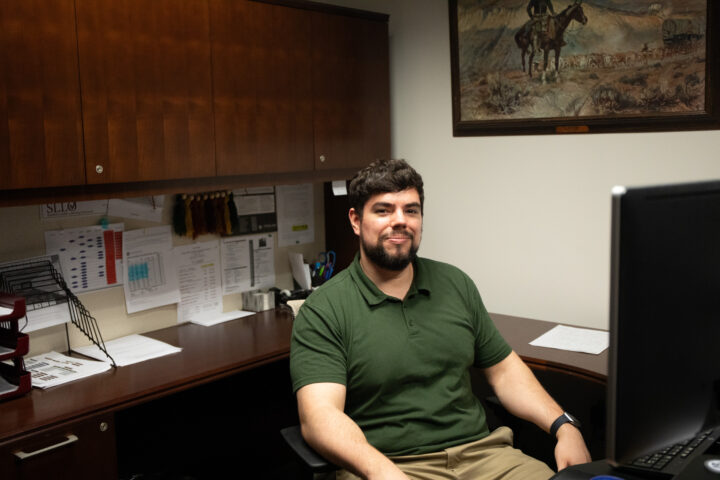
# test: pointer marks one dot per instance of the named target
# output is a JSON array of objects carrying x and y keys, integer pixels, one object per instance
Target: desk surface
[
  {"x": 210, "y": 353},
  {"x": 519, "y": 332}
]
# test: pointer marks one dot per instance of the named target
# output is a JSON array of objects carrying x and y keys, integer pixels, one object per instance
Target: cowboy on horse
[
  {"x": 545, "y": 31},
  {"x": 542, "y": 23}
]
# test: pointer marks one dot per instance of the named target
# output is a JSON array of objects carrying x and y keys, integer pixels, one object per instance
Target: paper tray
[{"x": 13, "y": 383}]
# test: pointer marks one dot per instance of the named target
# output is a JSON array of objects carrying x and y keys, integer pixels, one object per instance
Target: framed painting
[{"x": 584, "y": 66}]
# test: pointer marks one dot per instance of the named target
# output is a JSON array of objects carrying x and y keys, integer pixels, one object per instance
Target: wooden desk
[
  {"x": 105, "y": 411},
  {"x": 49, "y": 416},
  {"x": 519, "y": 332}
]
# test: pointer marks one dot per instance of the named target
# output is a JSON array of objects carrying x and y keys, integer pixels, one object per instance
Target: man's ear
[{"x": 354, "y": 221}]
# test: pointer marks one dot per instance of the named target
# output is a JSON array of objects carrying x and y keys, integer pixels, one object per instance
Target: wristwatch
[{"x": 562, "y": 420}]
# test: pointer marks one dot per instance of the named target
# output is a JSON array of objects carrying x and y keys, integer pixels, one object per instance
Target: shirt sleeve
[
  {"x": 490, "y": 347},
  {"x": 317, "y": 351}
]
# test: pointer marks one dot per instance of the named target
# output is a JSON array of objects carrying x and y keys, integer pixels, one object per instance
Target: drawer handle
[{"x": 70, "y": 438}]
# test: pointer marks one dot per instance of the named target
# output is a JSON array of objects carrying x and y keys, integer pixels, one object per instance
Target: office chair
[{"x": 320, "y": 468}]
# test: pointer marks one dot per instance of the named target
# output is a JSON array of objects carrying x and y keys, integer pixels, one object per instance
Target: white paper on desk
[
  {"x": 53, "y": 368},
  {"x": 150, "y": 276},
  {"x": 574, "y": 339},
  {"x": 248, "y": 262},
  {"x": 141, "y": 208},
  {"x": 129, "y": 350},
  {"x": 91, "y": 257},
  {"x": 198, "y": 272},
  {"x": 295, "y": 214},
  {"x": 53, "y": 311},
  {"x": 208, "y": 320},
  {"x": 300, "y": 270}
]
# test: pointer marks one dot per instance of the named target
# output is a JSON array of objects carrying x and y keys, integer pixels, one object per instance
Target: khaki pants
[{"x": 490, "y": 458}]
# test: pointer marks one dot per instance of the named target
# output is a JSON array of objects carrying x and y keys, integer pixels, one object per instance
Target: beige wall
[
  {"x": 23, "y": 237},
  {"x": 528, "y": 217}
]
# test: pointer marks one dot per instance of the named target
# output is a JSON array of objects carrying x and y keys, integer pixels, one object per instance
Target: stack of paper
[
  {"x": 574, "y": 339},
  {"x": 52, "y": 368},
  {"x": 129, "y": 350}
]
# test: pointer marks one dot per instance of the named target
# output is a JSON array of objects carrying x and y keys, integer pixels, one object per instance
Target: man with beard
[{"x": 380, "y": 357}]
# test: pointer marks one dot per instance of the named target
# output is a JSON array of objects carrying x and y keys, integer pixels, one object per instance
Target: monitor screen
[{"x": 664, "y": 367}]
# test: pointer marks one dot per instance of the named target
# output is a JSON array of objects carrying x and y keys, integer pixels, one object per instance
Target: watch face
[{"x": 572, "y": 419}]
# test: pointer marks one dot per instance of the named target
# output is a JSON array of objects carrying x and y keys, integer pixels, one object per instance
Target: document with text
[{"x": 574, "y": 339}]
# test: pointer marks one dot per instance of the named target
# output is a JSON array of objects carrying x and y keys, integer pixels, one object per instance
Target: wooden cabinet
[
  {"x": 351, "y": 91},
  {"x": 261, "y": 55},
  {"x": 82, "y": 450},
  {"x": 40, "y": 122},
  {"x": 297, "y": 90},
  {"x": 146, "y": 89},
  {"x": 110, "y": 92}
]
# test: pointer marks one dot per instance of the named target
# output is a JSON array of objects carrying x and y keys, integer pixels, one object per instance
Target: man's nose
[{"x": 398, "y": 218}]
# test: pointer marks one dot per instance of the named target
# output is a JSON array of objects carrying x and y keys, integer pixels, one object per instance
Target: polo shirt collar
[{"x": 374, "y": 296}]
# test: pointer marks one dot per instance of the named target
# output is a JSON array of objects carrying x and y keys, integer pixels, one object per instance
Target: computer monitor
[{"x": 664, "y": 367}]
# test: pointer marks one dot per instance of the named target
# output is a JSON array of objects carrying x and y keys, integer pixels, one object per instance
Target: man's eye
[{"x": 413, "y": 211}]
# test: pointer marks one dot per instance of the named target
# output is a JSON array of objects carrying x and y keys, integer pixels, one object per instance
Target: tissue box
[{"x": 257, "y": 301}]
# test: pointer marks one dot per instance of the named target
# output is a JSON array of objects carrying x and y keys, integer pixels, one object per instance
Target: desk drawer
[{"x": 79, "y": 450}]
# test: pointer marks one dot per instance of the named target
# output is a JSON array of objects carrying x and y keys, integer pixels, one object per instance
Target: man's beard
[{"x": 380, "y": 257}]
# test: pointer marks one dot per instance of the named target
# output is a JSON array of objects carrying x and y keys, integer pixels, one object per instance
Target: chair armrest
[{"x": 310, "y": 457}]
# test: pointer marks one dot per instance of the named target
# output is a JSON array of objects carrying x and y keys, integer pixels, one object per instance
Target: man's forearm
[
  {"x": 521, "y": 394},
  {"x": 337, "y": 438}
]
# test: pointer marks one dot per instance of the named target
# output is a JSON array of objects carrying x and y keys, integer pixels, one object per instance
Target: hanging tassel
[
  {"x": 219, "y": 206},
  {"x": 178, "y": 219},
  {"x": 234, "y": 222},
  {"x": 189, "y": 230},
  {"x": 198, "y": 217},
  {"x": 226, "y": 213},
  {"x": 209, "y": 206}
]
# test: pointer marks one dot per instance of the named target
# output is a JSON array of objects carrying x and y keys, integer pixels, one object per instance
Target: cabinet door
[
  {"x": 262, "y": 87},
  {"x": 146, "y": 89},
  {"x": 351, "y": 91},
  {"x": 83, "y": 450},
  {"x": 40, "y": 124}
]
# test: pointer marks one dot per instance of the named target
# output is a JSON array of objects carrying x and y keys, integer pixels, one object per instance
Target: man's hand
[{"x": 570, "y": 448}]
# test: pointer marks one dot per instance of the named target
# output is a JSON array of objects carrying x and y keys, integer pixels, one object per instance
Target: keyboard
[{"x": 673, "y": 459}]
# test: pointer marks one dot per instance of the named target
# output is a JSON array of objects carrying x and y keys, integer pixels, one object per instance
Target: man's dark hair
[{"x": 383, "y": 176}]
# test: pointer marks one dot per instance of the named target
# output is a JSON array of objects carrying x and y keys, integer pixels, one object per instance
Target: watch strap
[{"x": 562, "y": 420}]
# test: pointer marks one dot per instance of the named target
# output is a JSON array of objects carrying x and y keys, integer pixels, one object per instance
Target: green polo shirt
[{"x": 405, "y": 363}]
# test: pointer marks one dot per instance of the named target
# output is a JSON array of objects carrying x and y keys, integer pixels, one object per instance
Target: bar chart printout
[
  {"x": 148, "y": 257},
  {"x": 91, "y": 257}
]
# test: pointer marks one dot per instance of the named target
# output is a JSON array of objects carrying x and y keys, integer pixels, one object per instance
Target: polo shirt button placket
[{"x": 408, "y": 318}]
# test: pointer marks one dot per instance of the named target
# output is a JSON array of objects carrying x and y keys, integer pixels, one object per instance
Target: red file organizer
[{"x": 14, "y": 379}]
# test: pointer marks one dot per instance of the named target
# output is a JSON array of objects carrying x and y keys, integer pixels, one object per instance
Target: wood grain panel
[
  {"x": 262, "y": 87},
  {"x": 40, "y": 119},
  {"x": 146, "y": 89},
  {"x": 351, "y": 91}
]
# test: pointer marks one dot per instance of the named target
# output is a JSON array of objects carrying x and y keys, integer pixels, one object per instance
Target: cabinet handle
[
  {"x": 70, "y": 438},
  {"x": 99, "y": 169},
  {"x": 322, "y": 158}
]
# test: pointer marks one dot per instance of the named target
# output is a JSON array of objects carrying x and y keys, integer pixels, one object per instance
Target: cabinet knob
[
  {"x": 103, "y": 426},
  {"x": 322, "y": 158},
  {"x": 98, "y": 169}
]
